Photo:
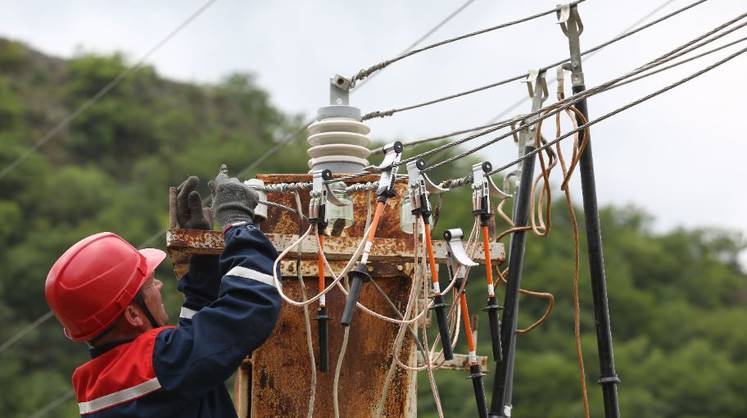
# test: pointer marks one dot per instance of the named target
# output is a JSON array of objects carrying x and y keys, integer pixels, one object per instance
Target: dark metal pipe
[
  {"x": 608, "y": 378},
  {"x": 504, "y": 371}
]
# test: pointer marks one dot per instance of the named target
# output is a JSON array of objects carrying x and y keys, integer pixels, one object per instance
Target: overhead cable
[
  {"x": 390, "y": 112},
  {"x": 53, "y": 405},
  {"x": 425, "y": 36},
  {"x": 30, "y": 327},
  {"x": 497, "y": 119},
  {"x": 559, "y": 106},
  {"x": 685, "y": 61},
  {"x": 619, "y": 110},
  {"x": 362, "y": 74},
  {"x": 61, "y": 125},
  {"x": 698, "y": 42},
  {"x": 585, "y": 58}
]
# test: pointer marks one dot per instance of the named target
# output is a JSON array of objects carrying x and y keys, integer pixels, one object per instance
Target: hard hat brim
[{"x": 153, "y": 258}]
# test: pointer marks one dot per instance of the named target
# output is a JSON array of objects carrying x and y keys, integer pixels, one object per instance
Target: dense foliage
[{"x": 677, "y": 298}]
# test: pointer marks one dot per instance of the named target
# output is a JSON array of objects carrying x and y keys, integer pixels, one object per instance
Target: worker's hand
[
  {"x": 189, "y": 211},
  {"x": 233, "y": 201}
]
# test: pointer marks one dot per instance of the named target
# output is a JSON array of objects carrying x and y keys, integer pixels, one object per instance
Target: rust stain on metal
[
  {"x": 281, "y": 366},
  {"x": 309, "y": 269},
  {"x": 280, "y": 385},
  {"x": 336, "y": 248},
  {"x": 280, "y": 369}
]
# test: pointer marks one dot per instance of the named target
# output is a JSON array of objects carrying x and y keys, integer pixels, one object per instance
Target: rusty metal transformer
[{"x": 275, "y": 382}]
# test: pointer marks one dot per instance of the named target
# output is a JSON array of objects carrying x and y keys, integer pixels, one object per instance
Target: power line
[
  {"x": 82, "y": 108},
  {"x": 422, "y": 38},
  {"x": 104, "y": 90},
  {"x": 20, "y": 334},
  {"x": 685, "y": 61},
  {"x": 466, "y": 179},
  {"x": 362, "y": 74},
  {"x": 390, "y": 112},
  {"x": 644, "y": 18},
  {"x": 555, "y": 108},
  {"x": 619, "y": 110},
  {"x": 53, "y": 405},
  {"x": 497, "y": 120}
]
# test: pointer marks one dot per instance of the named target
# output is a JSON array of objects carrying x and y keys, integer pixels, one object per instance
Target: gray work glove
[
  {"x": 189, "y": 211},
  {"x": 233, "y": 201}
]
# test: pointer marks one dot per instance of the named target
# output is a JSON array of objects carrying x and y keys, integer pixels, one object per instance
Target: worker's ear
[{"x": 134, "y": 317}]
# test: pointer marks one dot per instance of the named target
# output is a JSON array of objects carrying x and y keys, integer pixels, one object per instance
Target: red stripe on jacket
[{"x": 120, "y": 368}]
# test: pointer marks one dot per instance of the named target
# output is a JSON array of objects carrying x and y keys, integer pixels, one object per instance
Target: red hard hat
[{"x": 93, "y": 282}]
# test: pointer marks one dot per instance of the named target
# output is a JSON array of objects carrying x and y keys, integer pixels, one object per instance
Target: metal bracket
[
  {"x": 482, "y": 184},
  {"x": 420, "y": 186},
  {"x": 539, "y": 97},
  {"x": 570, "y": 22},
  {"x": 389, "y": 167},
  {"x": 339, "y": 90},
  {"x": 533, "y": 76},
  {"x": 560, "y": 81},
  {"x": 318, "y": 195},
  {"x": 481, "y": 190},
  {"x": 457, "y": 254},
  {"x": 537, "y": 87}
]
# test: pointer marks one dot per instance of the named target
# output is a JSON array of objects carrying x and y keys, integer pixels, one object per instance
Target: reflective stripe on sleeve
[
  {"x": 120, "y": 396},
  {"x": 251, "y": 274},
  {"x": 187, "y": 313}
]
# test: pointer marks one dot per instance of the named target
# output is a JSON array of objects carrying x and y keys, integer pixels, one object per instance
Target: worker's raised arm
[
  {"x": 200, "y": 286},
  {"x": 208, "y": 347}
]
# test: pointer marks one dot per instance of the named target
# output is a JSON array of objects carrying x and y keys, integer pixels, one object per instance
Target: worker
[{"x": 103, "y": 291}]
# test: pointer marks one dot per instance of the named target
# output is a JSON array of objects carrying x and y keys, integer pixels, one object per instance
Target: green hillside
[{"x": 678, "y": 299}]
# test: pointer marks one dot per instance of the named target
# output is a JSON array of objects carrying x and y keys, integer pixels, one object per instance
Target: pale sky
[{"x": 679, "y": 156}]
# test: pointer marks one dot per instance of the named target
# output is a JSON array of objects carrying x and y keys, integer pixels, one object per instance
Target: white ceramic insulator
[{"x": 339, "y": 144}]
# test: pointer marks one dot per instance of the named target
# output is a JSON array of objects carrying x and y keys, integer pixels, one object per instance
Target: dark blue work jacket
[{"x": 181, "y": 372}]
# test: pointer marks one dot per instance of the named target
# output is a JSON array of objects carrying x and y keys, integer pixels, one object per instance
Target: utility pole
[
  {"x": 504, "y": 373},
  {"x": 572, "y": 27}
]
